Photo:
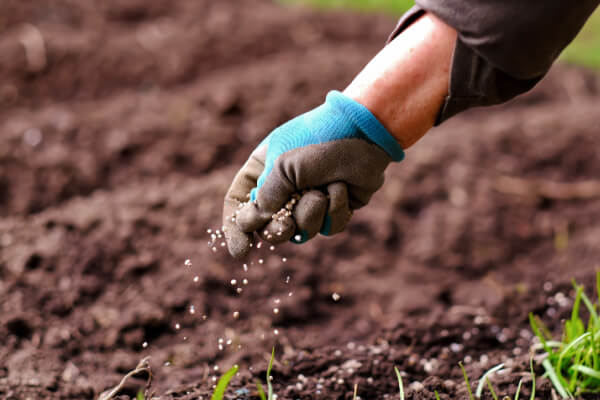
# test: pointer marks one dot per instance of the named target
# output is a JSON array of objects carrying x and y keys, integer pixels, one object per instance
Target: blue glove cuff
[{"x": 367, "y": 123}]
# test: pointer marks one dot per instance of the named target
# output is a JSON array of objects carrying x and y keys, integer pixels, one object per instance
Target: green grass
[
  {"x": 585, "y": 50},
  {"x": 573, "y": 363},
  {"x": 223, "y": 383},
  {"x": 393, "y": 7},
  {"x": 484, "y": 380},
  {"x": 400, "y": 385}
]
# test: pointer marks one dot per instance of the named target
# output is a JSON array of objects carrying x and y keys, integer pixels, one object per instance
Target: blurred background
[{"x": 585, "y": 50}]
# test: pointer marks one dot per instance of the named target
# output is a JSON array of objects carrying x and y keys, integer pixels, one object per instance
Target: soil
[{"x": 122, "y": 124}]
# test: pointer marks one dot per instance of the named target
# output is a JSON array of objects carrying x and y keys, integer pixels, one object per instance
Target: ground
[{"x": 122, "y": 124}]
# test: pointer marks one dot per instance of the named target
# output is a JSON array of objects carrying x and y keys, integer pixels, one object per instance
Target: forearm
[{"x": 405, "y": 85}]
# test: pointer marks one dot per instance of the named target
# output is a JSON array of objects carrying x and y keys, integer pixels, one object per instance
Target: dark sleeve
[{"x": 504, "y": 47}]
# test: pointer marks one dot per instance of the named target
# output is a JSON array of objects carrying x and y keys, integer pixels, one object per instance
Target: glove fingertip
[{"x": 238, "y": 244}]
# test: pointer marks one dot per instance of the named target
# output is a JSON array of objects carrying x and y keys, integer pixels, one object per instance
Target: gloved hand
[{"x": 308, "y": 175}]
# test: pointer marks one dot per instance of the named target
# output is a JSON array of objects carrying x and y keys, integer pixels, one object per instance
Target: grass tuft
[
  {"x": 573, "y": 363},
  {"x": 485, "y": 380}
]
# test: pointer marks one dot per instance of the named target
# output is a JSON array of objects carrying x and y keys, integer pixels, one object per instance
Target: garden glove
[{"x": 308, "y": 175}]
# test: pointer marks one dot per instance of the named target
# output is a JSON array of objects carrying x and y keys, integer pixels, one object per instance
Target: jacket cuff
[{"x": 474, "y": 81}]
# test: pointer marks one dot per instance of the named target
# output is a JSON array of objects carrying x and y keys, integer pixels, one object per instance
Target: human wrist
[{"x": 405, "y": 85}]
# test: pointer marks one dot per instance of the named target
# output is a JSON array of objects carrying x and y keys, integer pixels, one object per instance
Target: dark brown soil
[{"x": 115, "y": 153}]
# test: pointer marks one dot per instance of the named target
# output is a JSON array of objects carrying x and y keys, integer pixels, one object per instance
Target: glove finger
[
  {"x": 309, "y": 214},
  {"x": 250, "y": 218},
  {"x": 339, "y": 212},
  {"x": 279, "y": 230},
  {"x": 271, "y": 197},
  {"x": 238, "y": 241}
]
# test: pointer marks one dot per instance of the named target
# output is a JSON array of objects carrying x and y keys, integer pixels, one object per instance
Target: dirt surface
[{"x": 121, "y": 126}]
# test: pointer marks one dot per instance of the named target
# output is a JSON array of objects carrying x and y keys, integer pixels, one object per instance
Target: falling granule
[
  {"x": 220, "y": 340},
  {"x": 276, "y": 310},
  {"x": 223, "y": 244},
  {"x": 276, "y": 301},
  {"x": 216, "y": 368},
  {"x": 177, "y": 326},
  {"x": 192, "y": 310},
  {"x": 185, "y": 338},
  {"x": 276, "y": 331},
  {"x": 188, "y": 263},
  {"x": 298, "y": 238},
  {"x": 259, "y": 245},
  {"x": 239, "y": 290},
  {"x": 335, "y": 296},
  {"x": 236, "y": 314},
  {"x": 167, "y": 363},
  {"x": 204, "y": 317},
  {"x": 290, "y": 294},
  {"x": 228, "y": 343},
  {"x": 272, "y": 248},
  {"x": 260, "y": 261},
  {"x": 220, "y": 347},
  {"x": 284, "y": 259},
  {"x": 245, "y": 281},
  {"x": 209, "y": 230},
  {"x": 196, "y": 278},
  {"x": 145, "y": 344},
  {"x": 245, "y": 266},
  {"x": 233, "y": 282},
  {"x": 214, "y": 249},
  {"x": 287, "y": 279}
]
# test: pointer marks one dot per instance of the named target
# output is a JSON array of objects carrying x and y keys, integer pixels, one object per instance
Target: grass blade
[
  {"x": 484, "y": 377},
  {"x": 261, "y": 391},
  {"x": 535, "y": 326},
  {"x": 223, "y": 383},
  {"x": 489, "y": 384},
  {"x": 462, "y": 367},
  {"x": 518, "y": 393},
  {"x": 269, "y": 385},
  {"x": 400, "y": 385},
  {"x": 586, "y": 371},
  {"x": 590, "y": 306},
  {"x": 437, "y": 396},
  {"x": 532, "y": 379},
  {"x": 355, "y": 391},
  {"x": 562, "y": 391}
]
